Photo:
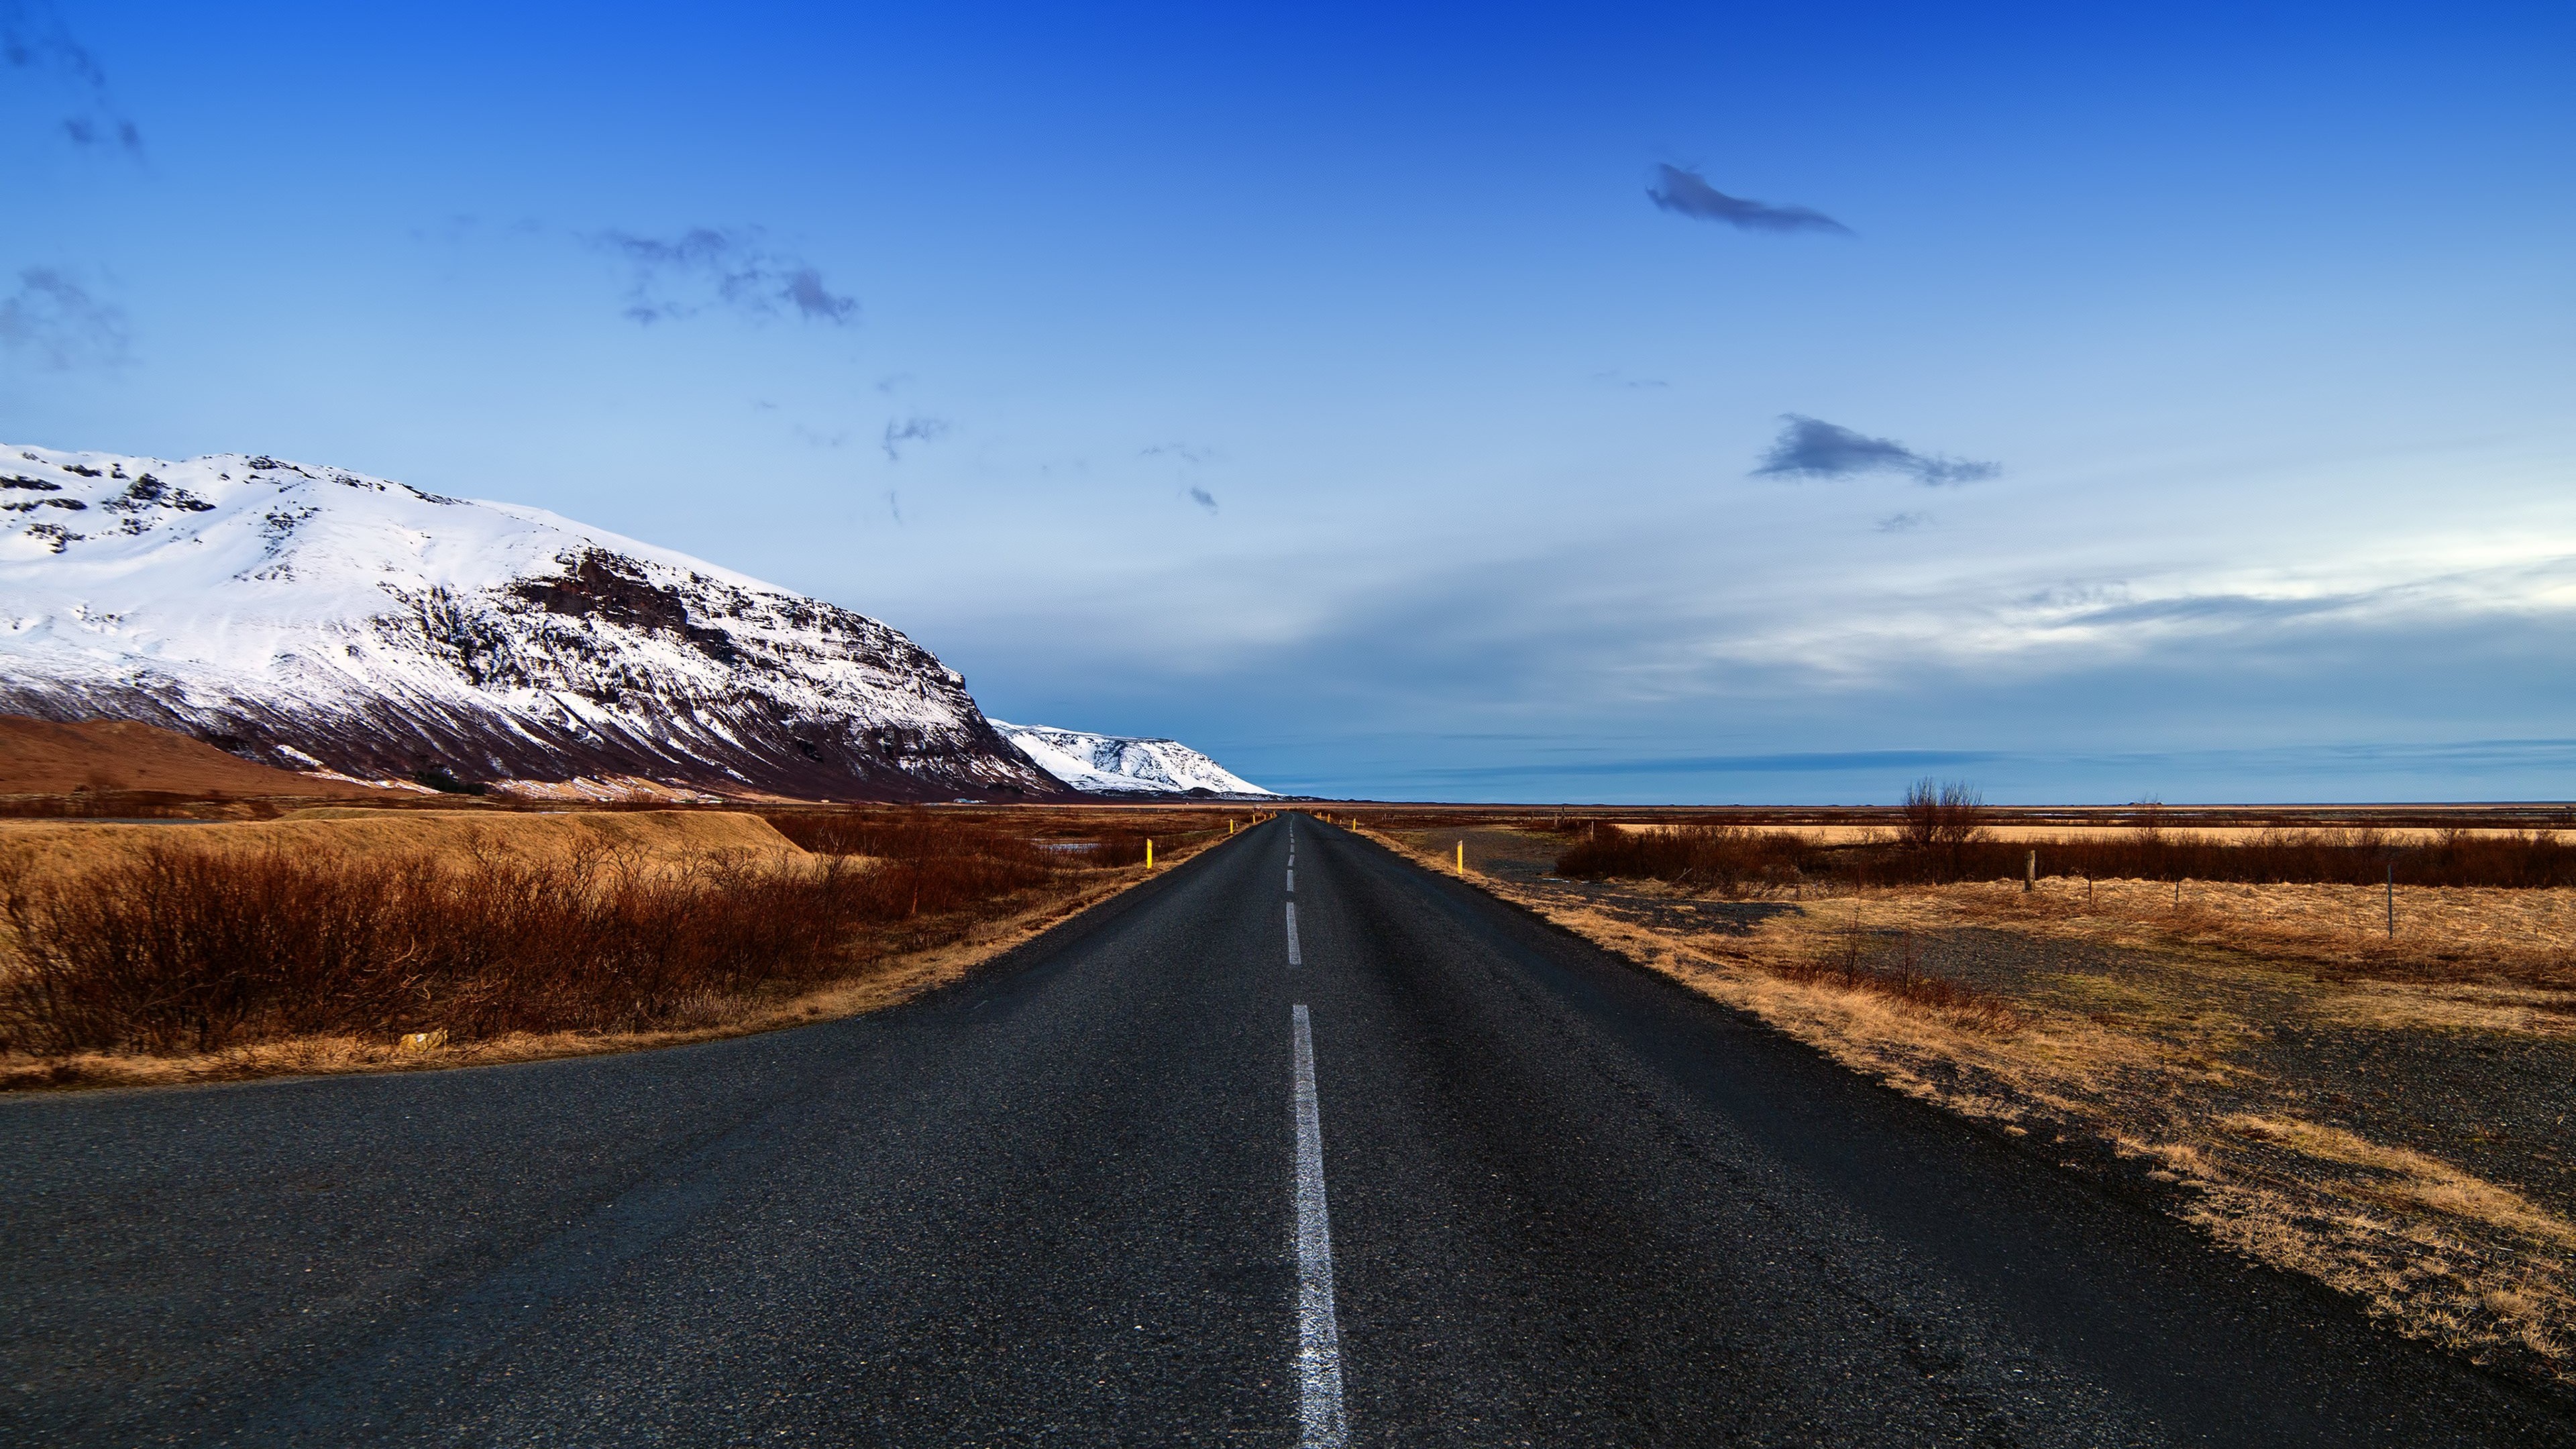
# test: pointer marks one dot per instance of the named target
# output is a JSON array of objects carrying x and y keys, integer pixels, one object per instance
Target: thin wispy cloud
[
  {"x": 1902, "y": 522},
  {"x": 915, "y": 429},
  {"x": 85, "y": 131},
  {"x": 732, "y": 268},
  {"x": 33, "y": 39},
  {"x": 53, "y": 318},
  {"x": 1179, "y": 452},
  {"x": 458, "y": 228},
  {"x": 1685, "y": 192},
  {"x": 1811, "y": 448},
  {"x": 1616, "y": 378},
  {"x": 1203, "y": 499}
]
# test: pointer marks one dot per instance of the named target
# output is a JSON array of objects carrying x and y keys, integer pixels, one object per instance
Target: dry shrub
[
  {"x": 173, "y": 949},
  {"x": 1943, "y": 816},
  {"x": 902, "y": 834},
  {"x": 1724, "y": 858},
  {"x": 938, "y": 863},
  {"x": 2518, "y": 860}
]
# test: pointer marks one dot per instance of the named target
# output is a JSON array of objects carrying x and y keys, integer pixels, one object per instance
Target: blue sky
[{"x": 2091, "y": 403}]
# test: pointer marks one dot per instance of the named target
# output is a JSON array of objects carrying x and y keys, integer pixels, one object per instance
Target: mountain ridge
[
  {"x": 323, "y": 620},
  {"x": 1126, "y": 764}
]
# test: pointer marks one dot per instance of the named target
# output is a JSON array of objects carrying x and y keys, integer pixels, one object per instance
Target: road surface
[{"x": 1356, "y": 1154}]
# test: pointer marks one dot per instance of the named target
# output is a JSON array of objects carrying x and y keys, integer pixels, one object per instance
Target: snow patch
[
  {"x": 315, "y": 618},
  {"x": 1122, "y": 764}
]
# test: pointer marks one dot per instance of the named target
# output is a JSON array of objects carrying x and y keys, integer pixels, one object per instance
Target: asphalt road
[{"x": 1503, "y": 1190}]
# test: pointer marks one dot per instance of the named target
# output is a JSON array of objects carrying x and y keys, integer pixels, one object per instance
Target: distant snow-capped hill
[
  {"x": 1115, "y": 764},
  {"x": 314, "y": 618}
]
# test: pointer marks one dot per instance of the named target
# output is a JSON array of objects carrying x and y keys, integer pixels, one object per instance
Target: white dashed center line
[
  {"x": 1292, "y": 935},
  {"x": 1321, "y": 1423},
  {"x": 1292, "y": 880}
]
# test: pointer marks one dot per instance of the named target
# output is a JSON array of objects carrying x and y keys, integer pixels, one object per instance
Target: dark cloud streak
[
  {"x": 737, "y": 269},
  {"x": 85, "y": 132},
  {"x": 914, "y": 429},
  {"x": 54, "y": 316},
  {"x": 1688, "y": 193},
  {"x": 34, "y": 38},
  {"x": 1810, "y": 448}
]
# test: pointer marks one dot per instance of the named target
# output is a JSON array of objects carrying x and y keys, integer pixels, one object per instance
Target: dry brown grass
[
  {"x": 159, "y": 954},
  {"x": 1948, "y": 845},
  {"x": 2138, "y": 1038},
  {"x": 2442, "y": 932},
  {"x": 44, "y": 849},
  {"x": 45, "y": 765},
  {"x": 889, "y": 982}
]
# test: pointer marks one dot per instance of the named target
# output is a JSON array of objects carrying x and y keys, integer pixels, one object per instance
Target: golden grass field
[
  {"x": 885, "y": 963},
  {"x": 54, "y": 847},
  {"x": 2388, "y": 1117}
]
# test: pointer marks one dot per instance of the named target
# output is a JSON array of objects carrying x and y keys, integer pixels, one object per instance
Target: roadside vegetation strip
[
  {"x": 1726, "y": 856},
  {"x": 191, "y": 956},
  {"x": 2386, "y": 1120}
]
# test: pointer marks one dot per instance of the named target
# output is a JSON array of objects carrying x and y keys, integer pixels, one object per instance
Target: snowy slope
[
  {"x": 314, "y": 618},
  {"x": 1115, "y": 764}
]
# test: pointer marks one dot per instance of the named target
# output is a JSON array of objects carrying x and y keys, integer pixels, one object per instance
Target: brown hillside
[{"x": 40, "y": 757}]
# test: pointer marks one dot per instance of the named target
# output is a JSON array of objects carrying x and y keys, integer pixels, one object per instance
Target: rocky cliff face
[{"x": 324, "y": 620}]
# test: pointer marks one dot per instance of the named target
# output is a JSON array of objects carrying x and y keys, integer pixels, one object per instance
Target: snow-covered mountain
[
  {"x": 1117, "y": 765},
  {"x": 324, "y": 620}
]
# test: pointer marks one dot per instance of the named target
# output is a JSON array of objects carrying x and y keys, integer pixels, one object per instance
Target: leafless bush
[
  {"x": 1722, "y": 858},
  {"x": 179, "y": 949},
  {"x": 1942, "y": 816},
  {"x": 909, "y": 834}
]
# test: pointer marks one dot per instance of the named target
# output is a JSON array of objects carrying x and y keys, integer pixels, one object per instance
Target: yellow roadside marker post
[
  {"x": 1462, "y": 859},
  {"x": 1149, "y": 853}
]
